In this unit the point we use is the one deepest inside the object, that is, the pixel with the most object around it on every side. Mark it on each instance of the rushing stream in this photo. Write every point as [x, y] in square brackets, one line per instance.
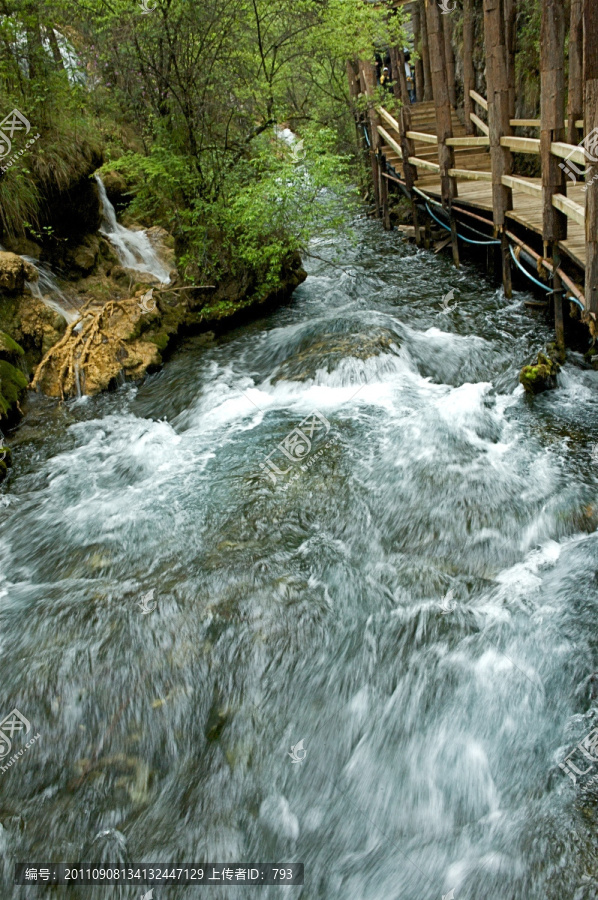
[415, 600]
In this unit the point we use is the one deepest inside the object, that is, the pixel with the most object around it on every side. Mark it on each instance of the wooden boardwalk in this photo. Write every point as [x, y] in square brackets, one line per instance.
[460, 166]
[476, 195]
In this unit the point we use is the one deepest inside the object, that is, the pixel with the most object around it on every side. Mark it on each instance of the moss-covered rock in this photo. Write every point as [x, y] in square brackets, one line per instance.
[540, 377]
[12, 387]
[9, 349]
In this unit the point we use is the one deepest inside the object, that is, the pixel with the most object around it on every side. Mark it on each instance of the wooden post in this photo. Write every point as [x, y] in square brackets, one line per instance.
[397, 61]
[557, 293]
[510, 45]
[499, 126]
[468, 70]
[444, 127]
[354, 90]
[383, 189]
[575, 104]
[449, 56]
[428, 87]
[590, 54]
[417, 44]
[368, 83]
[552, 128]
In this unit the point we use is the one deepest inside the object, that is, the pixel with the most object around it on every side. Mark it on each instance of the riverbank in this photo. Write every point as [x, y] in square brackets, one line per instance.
[118, 310]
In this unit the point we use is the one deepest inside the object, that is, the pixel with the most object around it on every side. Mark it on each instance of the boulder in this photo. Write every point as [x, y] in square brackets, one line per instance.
[14, 272]
[9, 349]
[132, 279]
[85, 256]
[540, 377]
[116, 189]
[23, 246]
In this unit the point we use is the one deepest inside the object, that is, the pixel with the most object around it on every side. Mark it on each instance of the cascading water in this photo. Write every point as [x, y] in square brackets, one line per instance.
[134, 248]
[356, 533]
[47, 290]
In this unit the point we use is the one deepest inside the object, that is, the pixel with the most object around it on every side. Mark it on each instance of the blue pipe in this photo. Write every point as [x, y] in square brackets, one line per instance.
[460, 236]
[525, 272]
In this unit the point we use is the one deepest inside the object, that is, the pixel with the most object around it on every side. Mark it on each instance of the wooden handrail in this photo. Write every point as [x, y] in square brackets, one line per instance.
[535, 123]
[423, 164]
[390, 141]
[470, 174]
[481, 125]
[423, 137]
[469, 141]
[525, 123]
[568, 151]
[527, 187]
[390, 120]
[479, 100]
[520, 144]
[571, 209]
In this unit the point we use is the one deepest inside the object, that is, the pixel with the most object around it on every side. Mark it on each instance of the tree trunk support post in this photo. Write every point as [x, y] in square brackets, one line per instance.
[590, 52]
[425, 49]
[575, 102]
[510, 13]
[401, 92]
[499, 126]
[442, 104]
[354, 91]
[468, 70]
[449, 56]
[368, 82]
[417, 44]
[552, 128]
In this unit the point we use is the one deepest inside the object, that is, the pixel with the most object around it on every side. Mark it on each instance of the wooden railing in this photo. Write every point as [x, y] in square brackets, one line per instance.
[532, 187]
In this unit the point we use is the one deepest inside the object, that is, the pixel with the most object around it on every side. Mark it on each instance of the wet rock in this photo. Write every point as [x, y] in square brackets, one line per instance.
[132, 279]
[84, 257]
[118, 348]
[540, 377]
[9, 349]
[13, 384]
[117, 190]
[14, 272]
[326, 354]
[108, 254]
[163, 244]
[22, 246]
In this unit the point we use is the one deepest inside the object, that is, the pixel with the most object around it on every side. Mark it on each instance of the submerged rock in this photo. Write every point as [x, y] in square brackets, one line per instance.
[327, 353]
[540, 377]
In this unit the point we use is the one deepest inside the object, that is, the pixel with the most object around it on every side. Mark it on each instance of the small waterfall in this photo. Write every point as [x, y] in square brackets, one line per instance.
[46, 289]
[133, 247]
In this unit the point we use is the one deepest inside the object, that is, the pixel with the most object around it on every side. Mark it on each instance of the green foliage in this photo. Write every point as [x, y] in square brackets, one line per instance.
[185, 101]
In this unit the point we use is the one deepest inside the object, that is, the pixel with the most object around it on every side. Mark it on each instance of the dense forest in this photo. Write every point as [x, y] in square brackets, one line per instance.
[182, 100]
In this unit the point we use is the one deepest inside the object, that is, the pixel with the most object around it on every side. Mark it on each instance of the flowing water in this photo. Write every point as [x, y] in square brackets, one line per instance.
[46, 289]
[415, 600]
[134, 248]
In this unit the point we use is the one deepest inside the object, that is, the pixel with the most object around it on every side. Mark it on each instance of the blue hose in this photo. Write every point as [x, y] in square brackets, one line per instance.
[525, 272]
[539, 284]
[570, 297]
[460, 236]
